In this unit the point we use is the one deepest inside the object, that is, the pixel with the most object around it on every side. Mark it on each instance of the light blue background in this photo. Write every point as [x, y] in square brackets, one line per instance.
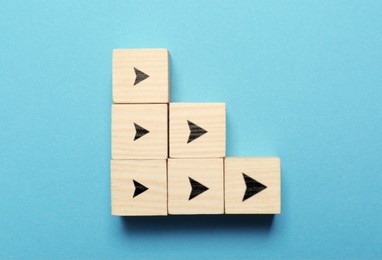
[302, 80]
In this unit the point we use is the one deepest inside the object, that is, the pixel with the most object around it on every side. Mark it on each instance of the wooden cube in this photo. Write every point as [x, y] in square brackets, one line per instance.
[140, 76]
[197, 130]
[252, 185]
[195, 186]
[140, 131]
[138, 187]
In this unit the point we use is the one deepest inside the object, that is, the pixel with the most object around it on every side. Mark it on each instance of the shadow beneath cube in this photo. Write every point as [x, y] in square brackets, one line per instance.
[197, 223]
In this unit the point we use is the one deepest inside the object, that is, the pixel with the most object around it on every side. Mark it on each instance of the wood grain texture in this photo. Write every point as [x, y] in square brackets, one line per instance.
[154, 63]
[265, 170]
[209, 116]
[209, 173]
[153, 118]
[150, 173]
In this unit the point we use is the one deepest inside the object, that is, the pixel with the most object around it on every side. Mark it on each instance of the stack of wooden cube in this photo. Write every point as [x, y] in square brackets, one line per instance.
[169, 158]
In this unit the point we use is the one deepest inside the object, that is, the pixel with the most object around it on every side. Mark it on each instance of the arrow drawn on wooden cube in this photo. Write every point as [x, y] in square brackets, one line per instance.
[140, 131]
[139, 76]
[196, 188]
[195, 131]
[139, 188]
[253, 187]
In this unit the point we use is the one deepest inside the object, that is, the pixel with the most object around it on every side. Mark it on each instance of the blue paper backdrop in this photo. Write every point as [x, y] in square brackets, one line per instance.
[302, 80]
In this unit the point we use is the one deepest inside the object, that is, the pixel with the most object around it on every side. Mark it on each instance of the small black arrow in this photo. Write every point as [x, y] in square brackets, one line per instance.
[195, 131]
[139, 188]
[196, 188]
[139, 131]
[253, 187]
[139, 76]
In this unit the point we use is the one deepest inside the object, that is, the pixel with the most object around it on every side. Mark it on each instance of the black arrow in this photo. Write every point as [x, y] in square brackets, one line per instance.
[139, 188]
[139, 131]
[139, 76]
[196, 188]
[253, 187]
[195, 131]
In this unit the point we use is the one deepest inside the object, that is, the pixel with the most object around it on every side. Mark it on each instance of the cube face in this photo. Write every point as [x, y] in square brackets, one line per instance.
[197, 130]
[195, 186]
[252, 185]
[140, 76]
[138, 187]
[140, 131]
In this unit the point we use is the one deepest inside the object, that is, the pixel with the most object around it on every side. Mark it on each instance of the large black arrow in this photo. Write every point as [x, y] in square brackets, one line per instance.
[139, 131]
[139, 188]
[139, 76]
[253, 187]
[196, 188]
[195, 131]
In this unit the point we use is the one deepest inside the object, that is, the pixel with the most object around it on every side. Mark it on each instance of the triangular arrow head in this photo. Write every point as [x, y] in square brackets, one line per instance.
[139, 76]
[139, 131]
[253, 187]
[195, 131]
[139, 188]
[196, 188]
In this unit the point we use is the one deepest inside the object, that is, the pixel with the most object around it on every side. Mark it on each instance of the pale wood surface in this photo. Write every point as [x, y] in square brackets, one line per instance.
[208, 172]
[153, 117]
[265, 170]
[154, 63]
[209, 116]
[150, 173]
